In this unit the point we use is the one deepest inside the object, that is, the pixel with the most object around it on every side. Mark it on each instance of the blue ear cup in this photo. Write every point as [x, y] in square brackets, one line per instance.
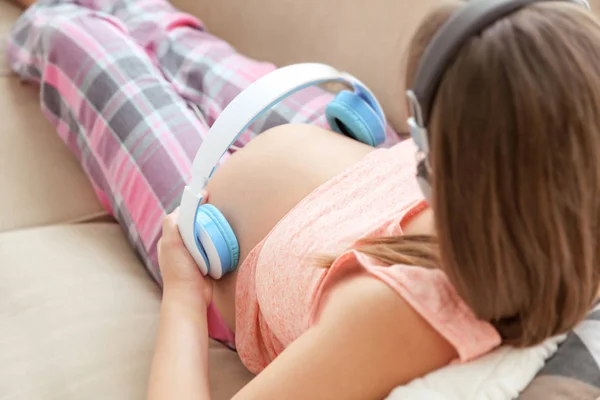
[353, 115]
[210, 219]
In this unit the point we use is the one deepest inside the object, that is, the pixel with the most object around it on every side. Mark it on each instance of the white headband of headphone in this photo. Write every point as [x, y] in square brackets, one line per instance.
[259, 97]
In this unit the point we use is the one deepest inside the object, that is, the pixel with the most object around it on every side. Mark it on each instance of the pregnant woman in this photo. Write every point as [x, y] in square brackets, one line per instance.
[349, 282]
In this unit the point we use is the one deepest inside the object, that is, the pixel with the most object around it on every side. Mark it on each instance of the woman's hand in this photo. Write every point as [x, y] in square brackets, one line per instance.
[180, 363]
[179, 270]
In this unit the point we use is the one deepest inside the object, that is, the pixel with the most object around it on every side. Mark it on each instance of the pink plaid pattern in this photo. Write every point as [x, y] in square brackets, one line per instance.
[118, 78]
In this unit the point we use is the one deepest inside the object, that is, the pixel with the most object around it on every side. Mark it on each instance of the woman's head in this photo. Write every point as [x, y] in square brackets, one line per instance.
[515, 160]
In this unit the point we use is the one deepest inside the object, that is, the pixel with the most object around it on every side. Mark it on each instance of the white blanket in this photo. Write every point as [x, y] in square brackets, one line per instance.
[500, 375]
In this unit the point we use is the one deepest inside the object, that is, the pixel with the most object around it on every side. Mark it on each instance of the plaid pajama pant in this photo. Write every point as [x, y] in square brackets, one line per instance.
[118, 79]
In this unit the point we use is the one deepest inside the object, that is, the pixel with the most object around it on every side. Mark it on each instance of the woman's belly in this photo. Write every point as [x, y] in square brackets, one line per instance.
[261, 183]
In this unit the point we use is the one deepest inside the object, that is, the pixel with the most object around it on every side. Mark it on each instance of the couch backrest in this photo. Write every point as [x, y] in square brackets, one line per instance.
[367, 38]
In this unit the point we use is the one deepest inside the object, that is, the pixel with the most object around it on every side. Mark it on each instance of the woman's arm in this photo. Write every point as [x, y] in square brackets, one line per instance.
[367, 341]
[180, 363]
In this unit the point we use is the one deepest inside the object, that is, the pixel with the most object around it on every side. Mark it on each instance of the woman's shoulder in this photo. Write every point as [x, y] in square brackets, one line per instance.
[373, 319]
[428, 292]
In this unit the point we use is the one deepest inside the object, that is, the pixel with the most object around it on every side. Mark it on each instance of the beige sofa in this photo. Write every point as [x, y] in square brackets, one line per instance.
[78, 313]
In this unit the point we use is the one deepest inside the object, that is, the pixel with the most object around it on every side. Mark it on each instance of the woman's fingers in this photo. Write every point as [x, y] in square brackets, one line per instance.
[204, 195]
[170, 235]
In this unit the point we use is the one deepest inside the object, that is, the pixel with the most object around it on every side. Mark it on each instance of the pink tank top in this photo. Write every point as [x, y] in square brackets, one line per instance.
[279, 287]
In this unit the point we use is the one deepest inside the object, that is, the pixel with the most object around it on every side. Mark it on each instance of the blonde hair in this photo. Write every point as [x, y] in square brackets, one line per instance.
[515, 155]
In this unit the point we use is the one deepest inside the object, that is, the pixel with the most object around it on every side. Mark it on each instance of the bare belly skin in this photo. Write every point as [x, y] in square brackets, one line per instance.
[261, 183]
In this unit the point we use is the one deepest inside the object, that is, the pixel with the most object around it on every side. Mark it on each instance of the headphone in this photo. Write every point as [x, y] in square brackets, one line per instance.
[205, 232]
[469, 20]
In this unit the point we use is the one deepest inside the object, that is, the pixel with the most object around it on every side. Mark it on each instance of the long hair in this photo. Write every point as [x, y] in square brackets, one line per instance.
[515, 156]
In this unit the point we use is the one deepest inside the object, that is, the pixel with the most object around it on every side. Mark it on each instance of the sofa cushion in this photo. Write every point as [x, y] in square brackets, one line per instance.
[41, 182]
[78, 318]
